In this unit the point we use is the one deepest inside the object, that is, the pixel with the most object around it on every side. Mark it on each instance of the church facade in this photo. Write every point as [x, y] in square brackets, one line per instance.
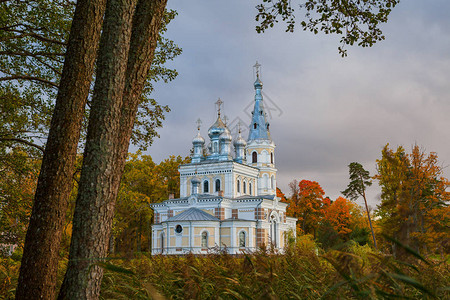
[227, 200]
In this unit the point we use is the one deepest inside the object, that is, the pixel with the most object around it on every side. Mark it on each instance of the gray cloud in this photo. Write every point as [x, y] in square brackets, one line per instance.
[334, 110]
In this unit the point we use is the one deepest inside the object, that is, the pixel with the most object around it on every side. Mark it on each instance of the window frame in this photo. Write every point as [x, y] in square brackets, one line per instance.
[242, 242]
[206, 184]
[204, 239]
[217, 185]
[254, 157]
[161, 237]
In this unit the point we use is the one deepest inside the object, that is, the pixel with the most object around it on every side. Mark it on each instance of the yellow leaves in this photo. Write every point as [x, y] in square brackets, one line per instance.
[412, 188]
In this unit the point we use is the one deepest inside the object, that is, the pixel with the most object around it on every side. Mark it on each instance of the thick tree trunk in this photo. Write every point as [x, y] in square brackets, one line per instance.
[37, 278]
[93, 212]
[106, 158]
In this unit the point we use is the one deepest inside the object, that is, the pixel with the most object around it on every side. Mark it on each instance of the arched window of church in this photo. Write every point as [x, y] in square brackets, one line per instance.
[273, 231]
[255, 125]
[238, 186]
[250, 188]
[254, 157]
[161, 237]
[217, 185]
[265, 181]
[271, 157]
[204, 239]
[242, 239]
[244, 185]
[206, 186]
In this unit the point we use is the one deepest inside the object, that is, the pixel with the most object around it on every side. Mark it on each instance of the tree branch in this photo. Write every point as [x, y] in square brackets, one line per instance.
[48, 66]
[22, 141]
[45, 39]
[32, 34]
[46, 54]
[23, 77]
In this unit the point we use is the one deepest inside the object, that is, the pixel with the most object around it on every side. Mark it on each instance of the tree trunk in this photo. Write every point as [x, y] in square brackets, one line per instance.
[368, 216]
[107, 144]
[90, 236]
[37, 278]
[139, 236]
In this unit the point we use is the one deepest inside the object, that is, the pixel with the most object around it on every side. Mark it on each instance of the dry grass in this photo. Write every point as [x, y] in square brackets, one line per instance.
[303, 272]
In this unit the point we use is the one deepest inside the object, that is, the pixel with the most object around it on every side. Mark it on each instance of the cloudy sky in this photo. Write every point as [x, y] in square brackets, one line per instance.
[325, 111]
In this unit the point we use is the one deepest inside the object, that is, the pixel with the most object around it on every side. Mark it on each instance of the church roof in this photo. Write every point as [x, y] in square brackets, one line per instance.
[243, 197]
[259, 127]
[193, 214]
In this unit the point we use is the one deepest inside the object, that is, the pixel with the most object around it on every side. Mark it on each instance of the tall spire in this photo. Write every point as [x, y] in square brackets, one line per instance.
[259, 127]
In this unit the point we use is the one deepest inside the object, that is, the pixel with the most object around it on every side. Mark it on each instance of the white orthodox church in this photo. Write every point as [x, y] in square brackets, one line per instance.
[227, 203]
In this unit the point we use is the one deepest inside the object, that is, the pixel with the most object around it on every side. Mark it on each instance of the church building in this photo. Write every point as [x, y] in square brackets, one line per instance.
[227, 200]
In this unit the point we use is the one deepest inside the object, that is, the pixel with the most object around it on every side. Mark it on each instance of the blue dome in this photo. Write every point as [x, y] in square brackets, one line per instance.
[226, 136]
[217, 128]
[198, 139]
[240, 142]
[258, 83]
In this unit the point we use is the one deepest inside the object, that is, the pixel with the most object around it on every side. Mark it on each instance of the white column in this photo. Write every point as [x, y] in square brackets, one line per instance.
[217, 236]
[191, 233]
[250, 237]
[232, 238]
[167, 238]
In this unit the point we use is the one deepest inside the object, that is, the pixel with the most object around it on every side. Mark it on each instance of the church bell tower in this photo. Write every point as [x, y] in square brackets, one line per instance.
[260, 147]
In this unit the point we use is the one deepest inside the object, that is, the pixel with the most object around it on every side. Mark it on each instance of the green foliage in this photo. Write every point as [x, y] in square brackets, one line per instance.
[328, 237]
[359, 180]
[33, 37]
[32, 47]
[9, 271]
[143, 182]
[18, 176]
[358, 22]
[361, 235]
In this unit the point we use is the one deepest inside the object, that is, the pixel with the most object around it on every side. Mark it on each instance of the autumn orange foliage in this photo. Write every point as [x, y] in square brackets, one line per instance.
[281, 195]
[338, 215]
[307, 206]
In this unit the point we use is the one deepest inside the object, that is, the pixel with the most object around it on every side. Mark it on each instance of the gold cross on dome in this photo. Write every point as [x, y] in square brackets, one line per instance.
[219, 103]
[257, 66]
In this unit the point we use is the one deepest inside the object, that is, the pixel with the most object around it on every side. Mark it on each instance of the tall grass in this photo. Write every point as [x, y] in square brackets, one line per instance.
[302, 272]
